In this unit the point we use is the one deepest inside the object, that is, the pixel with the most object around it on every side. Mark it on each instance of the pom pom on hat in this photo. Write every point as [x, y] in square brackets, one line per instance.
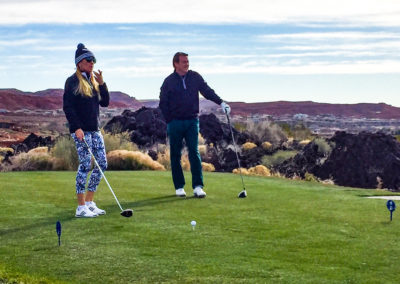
[81, 53]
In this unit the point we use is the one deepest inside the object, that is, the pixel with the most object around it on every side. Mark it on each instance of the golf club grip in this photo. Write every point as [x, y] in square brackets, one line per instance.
[98, 166]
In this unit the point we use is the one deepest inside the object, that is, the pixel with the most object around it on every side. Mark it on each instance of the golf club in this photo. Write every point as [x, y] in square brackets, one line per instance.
[243, 193]
[126, 212]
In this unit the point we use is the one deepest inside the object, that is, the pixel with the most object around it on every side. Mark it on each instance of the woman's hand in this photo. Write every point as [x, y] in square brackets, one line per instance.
[99, 77]
[79, 134]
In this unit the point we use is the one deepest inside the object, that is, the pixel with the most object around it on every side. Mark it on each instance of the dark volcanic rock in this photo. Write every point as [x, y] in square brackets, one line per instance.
[31, 142]
[147, 126]
[217, 132]
[223, 159]
[366, 160]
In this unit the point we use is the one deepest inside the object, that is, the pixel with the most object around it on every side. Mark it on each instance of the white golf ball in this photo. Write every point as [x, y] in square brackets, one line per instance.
[193, 223]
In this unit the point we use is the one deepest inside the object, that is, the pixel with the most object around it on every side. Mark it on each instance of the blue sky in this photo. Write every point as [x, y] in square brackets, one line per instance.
[252, 51]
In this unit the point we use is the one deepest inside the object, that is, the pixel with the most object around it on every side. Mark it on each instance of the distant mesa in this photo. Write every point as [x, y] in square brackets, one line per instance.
[51, 99]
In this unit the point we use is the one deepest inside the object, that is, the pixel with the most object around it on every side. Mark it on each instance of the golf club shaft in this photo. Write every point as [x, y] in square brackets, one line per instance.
[98, 166]
[236, 152]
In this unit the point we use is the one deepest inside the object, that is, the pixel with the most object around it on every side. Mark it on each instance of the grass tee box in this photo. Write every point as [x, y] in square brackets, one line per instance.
[284, 232]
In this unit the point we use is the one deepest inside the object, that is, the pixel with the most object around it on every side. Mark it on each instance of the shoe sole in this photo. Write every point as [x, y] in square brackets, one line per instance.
[199, 196]
[182, 195]
[80, 216]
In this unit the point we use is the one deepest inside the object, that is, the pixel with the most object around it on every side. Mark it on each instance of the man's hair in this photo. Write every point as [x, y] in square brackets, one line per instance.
[176, 57]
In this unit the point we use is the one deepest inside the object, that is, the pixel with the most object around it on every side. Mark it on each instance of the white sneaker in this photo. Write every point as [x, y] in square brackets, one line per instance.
[180, 192]
[84, 213]
[198, 192]
[92, 207]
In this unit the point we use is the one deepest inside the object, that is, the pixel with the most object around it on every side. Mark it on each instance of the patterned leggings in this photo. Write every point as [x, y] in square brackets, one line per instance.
[96, 143]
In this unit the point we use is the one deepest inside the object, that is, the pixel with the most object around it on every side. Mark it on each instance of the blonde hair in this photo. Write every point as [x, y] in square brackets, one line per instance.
[84, 87]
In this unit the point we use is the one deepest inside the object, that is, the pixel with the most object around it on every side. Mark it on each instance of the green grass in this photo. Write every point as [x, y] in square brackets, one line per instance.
[284, 232]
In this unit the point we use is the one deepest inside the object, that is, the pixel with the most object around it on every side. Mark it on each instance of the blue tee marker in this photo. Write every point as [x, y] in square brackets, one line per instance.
[391, 206]
[58, 230]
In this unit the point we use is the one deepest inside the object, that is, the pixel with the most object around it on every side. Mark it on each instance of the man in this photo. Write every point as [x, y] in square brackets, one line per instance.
[179, 103]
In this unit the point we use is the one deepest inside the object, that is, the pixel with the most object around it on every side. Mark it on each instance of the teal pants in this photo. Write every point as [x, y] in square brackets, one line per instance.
[188, 130]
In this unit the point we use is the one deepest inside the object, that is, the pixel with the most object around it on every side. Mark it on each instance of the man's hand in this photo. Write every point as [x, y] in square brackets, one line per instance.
[225, 108]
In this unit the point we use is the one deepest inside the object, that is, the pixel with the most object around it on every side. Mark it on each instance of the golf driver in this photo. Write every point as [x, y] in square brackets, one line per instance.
[243, 193]
[127, 212]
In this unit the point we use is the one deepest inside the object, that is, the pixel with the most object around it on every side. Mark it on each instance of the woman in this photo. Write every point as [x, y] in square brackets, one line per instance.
[83, 93]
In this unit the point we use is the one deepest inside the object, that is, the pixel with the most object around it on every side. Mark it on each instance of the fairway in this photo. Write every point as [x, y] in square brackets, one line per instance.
[285, 231]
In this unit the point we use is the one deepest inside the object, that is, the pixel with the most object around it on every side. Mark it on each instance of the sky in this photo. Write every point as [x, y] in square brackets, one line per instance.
[251, 51]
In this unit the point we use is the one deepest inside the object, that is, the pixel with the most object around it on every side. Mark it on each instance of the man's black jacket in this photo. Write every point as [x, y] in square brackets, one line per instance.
[178, 102]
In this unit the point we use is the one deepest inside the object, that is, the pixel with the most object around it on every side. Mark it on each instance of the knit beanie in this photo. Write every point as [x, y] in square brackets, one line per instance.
[82, 52]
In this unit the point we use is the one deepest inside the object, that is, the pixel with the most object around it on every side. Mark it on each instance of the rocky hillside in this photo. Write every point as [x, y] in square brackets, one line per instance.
[51, 99]
[381, 110]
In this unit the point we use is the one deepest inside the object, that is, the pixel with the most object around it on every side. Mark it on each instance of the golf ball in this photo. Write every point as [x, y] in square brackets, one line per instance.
[193, 223]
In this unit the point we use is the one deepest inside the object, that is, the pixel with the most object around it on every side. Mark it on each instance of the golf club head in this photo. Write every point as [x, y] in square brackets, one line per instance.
[242, 194]
[127, 213]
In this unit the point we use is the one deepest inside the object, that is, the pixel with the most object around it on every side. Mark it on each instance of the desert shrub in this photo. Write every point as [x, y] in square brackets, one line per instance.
[207, 167]
[304, 142]
[39, 150]
[260, 170]
[131, 160]
[266, 145]
[162, 148]
[115, 128]
[163, 158]
[323, 146]
[239, 126]
[241, 170]
[248, 146]
[5, 150]
[185, 162]
[65, 153]
[277, 158]
[33, 161]
[298, 131]
[201, 139]
[118, 141]
[203, 150]
[310, 177]
[265, 131]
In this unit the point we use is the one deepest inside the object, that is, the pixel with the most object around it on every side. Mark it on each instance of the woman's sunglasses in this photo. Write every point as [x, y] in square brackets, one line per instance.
[91, 59]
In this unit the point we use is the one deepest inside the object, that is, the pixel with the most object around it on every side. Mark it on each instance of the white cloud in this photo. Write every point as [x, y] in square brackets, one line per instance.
[383, 45]
[19, 42]
[139, 71]
[318, 68]
[332, 35]
[366, 12]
